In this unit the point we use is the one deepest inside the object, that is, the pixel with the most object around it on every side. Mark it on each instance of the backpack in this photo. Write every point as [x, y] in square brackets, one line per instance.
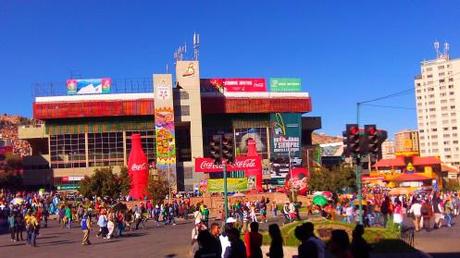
[84, 225]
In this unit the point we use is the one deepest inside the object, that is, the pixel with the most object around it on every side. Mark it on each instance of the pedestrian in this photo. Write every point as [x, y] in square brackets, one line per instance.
[195, 232]
[398, 214]
[385, 210]
[215, 233]
[68, 216]
[311, 246]
[276, 245]
[85, 224]
[253, 241]
[12, 225]
[110, 227]
[438, 211]
[359, 246]
[427, 213]
[208, 248]
[19, 226]
[102, 223]
[237, 248]
[339, 244]
[415, 212]
[224, 238]
[32, 228]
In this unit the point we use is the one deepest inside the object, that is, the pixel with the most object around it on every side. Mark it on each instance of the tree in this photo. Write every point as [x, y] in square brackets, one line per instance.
[452, 185]
[158, 187]
[335, 180]
[102, 183]
[124, 181]
[10, 176]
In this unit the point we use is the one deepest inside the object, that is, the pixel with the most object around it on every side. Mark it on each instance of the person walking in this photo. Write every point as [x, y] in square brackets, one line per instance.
[415, 211]
[253, 241]
[85, 224]
[359, 246]
[32, 228]
[311, 246]
[102, 223]
[237, 248]
[68, 216]
[12, 225]
[339, 244]
[19, 226]
[276, 245]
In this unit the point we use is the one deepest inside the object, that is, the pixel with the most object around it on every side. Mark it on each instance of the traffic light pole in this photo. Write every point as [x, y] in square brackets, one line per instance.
[225, 189]
[358, 174]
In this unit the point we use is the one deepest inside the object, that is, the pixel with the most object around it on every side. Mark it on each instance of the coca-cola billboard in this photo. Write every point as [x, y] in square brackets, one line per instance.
[207, 165]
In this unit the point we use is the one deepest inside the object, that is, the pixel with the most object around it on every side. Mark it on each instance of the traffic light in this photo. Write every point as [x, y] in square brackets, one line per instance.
[374, 139]
[228, 152]
[215, 148]
[351, 140]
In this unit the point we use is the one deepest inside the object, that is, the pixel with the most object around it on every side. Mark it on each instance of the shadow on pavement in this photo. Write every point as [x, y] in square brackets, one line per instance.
[170, 255]
[54, 243]
[392, 246]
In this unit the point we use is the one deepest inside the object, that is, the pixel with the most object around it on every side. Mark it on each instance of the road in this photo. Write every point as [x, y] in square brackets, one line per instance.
[440, 243]
[164, 241]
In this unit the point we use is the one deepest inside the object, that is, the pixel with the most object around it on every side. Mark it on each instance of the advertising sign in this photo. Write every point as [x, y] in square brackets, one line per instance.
[88, 86]
[233, 85]
[286, 131]
[233, 185]
[285, 84]
[164, 125]
[207, 165]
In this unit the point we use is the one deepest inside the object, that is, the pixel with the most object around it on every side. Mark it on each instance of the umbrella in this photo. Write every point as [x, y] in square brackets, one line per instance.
[319, 200]
[17, 201]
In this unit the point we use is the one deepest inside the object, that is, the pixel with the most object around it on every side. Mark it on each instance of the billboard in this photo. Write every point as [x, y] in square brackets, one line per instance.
[88, 86]
[233, 85]
[233, 185]
[164, 126]
[207, 165]
[285, 84]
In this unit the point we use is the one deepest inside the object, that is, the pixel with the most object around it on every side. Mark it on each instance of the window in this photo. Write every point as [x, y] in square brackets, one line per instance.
[434, 137]
[428, 69]
[432, 109]
[448, 156]
[429, 76]
[440, 67]
[446, 135]
[443, 94]
[451, 86]
[183, 142]
[447, 149]
[454, 128]
[444, 101]
[451, 79]
[455, 142]
[105, 149]
[452, 107]
[68, 151]
[444, 108]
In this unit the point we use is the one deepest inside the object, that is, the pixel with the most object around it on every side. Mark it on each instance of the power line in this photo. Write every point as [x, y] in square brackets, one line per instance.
[387, 106]
[397, 94]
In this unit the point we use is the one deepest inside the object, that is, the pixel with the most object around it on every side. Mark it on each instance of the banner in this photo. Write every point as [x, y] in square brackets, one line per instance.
[233, 85]
[88, 86]
[233, 185]
[285, 84]
[207, 165]
[286, 132]
[164, 126]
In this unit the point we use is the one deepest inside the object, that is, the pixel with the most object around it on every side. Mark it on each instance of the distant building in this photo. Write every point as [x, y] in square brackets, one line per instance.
[406, 143]
[388, 149]
[437, 91]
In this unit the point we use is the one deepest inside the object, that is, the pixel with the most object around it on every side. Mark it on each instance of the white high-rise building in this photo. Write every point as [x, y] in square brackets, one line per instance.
[437, 91]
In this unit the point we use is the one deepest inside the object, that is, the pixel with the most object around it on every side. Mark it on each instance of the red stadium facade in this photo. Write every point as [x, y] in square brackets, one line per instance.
[83, 132]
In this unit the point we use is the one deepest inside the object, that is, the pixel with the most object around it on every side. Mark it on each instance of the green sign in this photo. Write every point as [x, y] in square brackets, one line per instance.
[67, 187]
[285, 84]
[233, 185]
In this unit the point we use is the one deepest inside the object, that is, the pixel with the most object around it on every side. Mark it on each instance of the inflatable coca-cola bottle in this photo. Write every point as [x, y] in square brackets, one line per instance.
[138, 169]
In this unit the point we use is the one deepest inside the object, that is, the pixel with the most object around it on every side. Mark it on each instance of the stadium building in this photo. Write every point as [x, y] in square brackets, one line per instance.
[89, 123]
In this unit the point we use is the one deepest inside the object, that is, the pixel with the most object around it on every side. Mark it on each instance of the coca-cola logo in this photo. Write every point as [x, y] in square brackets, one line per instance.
[138, 167]
[208, 165]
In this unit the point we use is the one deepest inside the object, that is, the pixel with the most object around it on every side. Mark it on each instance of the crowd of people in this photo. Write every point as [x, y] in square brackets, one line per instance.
[213, 243]
[9, 132]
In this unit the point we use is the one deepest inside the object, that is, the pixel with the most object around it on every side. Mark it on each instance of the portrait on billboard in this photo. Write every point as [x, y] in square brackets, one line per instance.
[259, 135]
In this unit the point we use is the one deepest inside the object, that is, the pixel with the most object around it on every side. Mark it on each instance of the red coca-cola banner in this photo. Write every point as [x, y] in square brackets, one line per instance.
[207, 165]
[234, 84]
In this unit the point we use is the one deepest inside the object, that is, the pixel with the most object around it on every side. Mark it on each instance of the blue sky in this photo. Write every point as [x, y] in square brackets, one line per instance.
[344, 51]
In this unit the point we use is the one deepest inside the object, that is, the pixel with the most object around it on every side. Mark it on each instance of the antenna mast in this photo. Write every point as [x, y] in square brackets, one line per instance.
[446, 50]
[436, 48]
[196, 45]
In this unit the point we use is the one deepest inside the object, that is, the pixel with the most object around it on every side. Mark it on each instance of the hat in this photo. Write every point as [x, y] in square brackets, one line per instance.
[230, 220]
